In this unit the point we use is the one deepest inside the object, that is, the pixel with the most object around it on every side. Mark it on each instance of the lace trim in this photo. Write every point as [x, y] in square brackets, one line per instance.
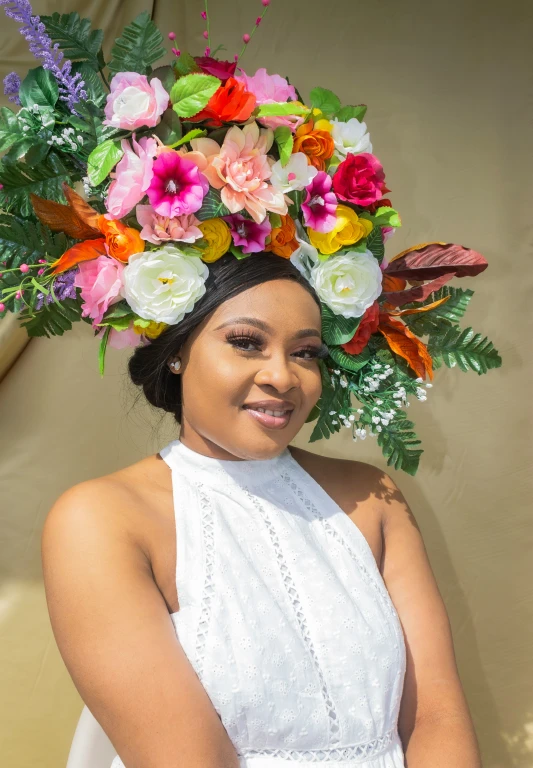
[208, 528]
[293, 594]
[366, 749]
[336, 535]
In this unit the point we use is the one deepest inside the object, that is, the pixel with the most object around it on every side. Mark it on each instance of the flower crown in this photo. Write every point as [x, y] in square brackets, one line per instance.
[121, 183]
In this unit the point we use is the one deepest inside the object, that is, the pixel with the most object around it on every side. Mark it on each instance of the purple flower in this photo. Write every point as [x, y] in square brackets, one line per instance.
[248, 233]
[177, 186]
[11, 87]
[70, 86]
[320, 204]
[63, 286]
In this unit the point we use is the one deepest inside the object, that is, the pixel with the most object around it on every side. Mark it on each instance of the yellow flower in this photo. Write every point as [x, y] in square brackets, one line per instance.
[149, 328]
[218, 236]
[348, 230]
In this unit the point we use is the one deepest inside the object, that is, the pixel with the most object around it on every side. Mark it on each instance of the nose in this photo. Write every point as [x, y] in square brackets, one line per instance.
[279, 373]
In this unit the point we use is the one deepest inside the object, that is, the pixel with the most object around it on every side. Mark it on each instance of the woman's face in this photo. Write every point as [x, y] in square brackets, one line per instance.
[230, 363]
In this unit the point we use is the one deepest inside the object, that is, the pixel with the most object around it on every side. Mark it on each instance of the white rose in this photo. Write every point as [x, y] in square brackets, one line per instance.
[300, 172]
[306, 254]
[350, 137]
[163, 285]
[348, 283]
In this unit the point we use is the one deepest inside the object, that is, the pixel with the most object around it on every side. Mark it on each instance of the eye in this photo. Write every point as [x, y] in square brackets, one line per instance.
[241, 340]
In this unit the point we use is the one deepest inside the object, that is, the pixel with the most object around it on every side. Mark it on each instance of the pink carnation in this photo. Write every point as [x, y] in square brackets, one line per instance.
[100, 281]
[158, 229]
[132, 177]
[268, 89]
[133, 102]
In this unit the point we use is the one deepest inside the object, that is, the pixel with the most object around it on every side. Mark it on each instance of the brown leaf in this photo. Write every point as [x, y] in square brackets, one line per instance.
[420, 293]
[407, 345]
[430, 260]
[86, 251]
[390, 283]
[85, 212]
[62, 218]
[416, 310]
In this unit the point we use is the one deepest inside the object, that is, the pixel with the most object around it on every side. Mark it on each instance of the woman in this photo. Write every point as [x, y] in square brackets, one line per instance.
[305, 621]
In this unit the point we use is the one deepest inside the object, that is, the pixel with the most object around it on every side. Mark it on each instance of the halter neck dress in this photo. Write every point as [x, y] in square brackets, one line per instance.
[284, 615]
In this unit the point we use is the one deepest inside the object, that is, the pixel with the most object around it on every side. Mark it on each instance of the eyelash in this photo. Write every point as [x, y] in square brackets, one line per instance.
[318, 352]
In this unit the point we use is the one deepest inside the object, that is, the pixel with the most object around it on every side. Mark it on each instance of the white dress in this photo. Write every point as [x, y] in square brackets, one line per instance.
[284, 615]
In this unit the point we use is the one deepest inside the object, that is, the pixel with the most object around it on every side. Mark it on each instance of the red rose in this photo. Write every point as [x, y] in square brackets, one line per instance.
[368, 325]
[220, 69]
[360, 179]
[231, 102]
[384, 201]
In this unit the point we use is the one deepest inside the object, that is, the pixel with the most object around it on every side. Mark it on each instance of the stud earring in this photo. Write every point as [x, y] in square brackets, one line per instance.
[176, 364]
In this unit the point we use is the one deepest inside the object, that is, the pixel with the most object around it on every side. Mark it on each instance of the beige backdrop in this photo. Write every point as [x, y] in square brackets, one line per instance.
[449, 90]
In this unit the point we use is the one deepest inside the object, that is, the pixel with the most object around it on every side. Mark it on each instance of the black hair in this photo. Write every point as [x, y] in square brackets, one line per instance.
[228, 276]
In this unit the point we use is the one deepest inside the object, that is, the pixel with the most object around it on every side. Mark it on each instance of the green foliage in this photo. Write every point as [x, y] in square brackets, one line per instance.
[75, 37]
[346, 113]
[468, 350]
[325, 100]
[138, 48]
[165, 75]
[102, 160]
[397, 442]
[89, 123]
[385, 216]
[212, 206]
[169, 129]
[10, 129]
[185, 64]
[19, 180]
[432, 321]
[53, 319]
[191, 93]
[94, 86]
[39, 87]
[337, 329]
[281, 108]
[332, 399]
[195, 133]
[375, 244]
[285, 141]
[351, 363]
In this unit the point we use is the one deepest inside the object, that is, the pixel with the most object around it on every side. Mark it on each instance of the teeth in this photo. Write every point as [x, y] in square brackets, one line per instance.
[271, 413]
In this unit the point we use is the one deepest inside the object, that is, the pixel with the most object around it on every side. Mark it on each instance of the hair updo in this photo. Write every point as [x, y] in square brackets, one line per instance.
[228, 276]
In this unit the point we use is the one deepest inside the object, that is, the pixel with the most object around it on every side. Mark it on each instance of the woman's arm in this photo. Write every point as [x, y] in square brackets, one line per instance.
[117, 639]
[434, 725]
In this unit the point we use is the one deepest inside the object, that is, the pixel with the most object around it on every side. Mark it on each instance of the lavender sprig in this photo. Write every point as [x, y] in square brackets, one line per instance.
[70, 86]
[12, 86]
[64, 288]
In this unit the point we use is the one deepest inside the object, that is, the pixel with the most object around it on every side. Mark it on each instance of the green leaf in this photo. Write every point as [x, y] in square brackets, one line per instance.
[385, 216]
[20, 180]
[282, 108]
[337, 329]
[165, 75]
[194, 134]
[314, 413]
[75, 37]
[169, 130]
[102, 160]
[185, 64]
[346, 113]
[94, 86]
[464, 348]
[102, 350]
[119, 316]
[138, 48]
[10, 129]
[191, 93]
[53, 319]
[89, 122]
[349, 362]
[237, 252]
[437, 320]
[39, 87]
[285, 141]
[325, 100]
[397, 442]
[332, 399]
[212, 206]
[375, 244]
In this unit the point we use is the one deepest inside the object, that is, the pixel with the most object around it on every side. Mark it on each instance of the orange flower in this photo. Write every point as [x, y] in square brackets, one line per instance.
[282, 239]
[317, 145]
[231, 102]
[122, 241]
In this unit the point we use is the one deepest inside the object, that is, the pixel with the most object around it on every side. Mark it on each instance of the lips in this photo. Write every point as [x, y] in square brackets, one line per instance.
[271, 422]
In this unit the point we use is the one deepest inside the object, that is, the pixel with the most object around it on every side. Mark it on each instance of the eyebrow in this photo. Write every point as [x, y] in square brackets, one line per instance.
[266, 327]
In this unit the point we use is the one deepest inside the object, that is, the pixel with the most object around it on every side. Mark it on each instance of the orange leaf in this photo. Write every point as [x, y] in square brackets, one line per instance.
[407, 345]
[390, 283]
[85, 212]
[417, 310]
[90, 249]
[62, 218]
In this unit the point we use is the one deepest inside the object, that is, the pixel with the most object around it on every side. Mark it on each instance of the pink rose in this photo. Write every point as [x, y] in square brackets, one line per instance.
[132, 177]
[134, 102]
[100, 281]
[157, 229]
[268, 89]
[360, 179]
[122, 339]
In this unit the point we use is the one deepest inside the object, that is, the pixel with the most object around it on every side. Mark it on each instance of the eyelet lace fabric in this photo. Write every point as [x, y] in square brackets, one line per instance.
[284, 615]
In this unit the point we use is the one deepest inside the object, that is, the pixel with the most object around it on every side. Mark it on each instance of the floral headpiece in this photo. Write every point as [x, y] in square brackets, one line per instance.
[121, 183]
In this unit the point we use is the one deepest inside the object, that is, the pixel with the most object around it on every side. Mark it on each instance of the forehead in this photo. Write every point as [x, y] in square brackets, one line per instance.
[283, 304]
